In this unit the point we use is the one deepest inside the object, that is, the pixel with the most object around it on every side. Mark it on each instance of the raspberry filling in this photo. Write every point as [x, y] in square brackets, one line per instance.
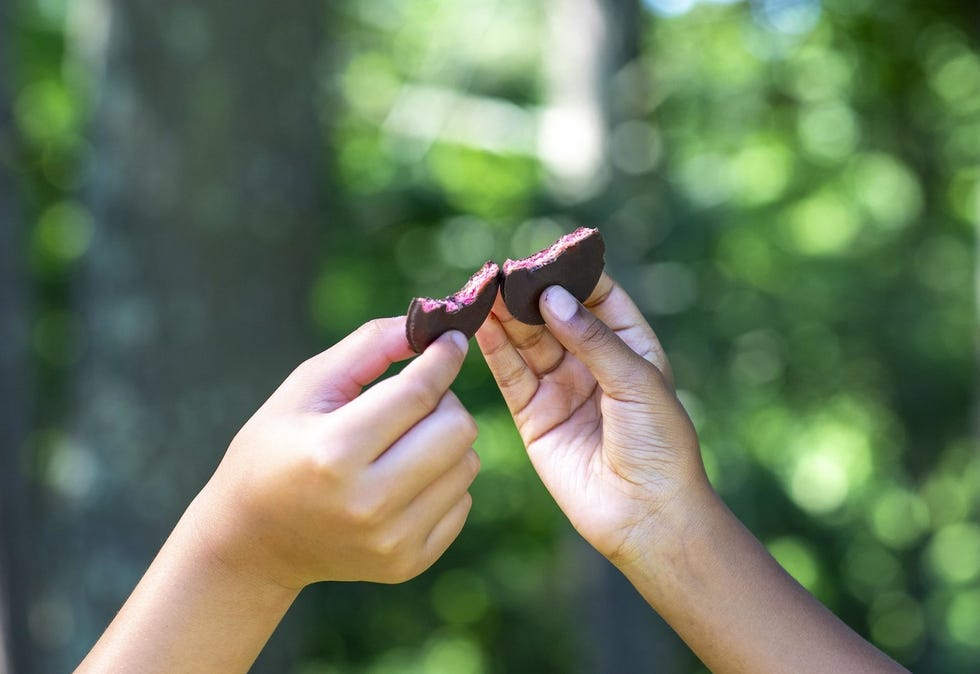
[550, 254]
[467, 294]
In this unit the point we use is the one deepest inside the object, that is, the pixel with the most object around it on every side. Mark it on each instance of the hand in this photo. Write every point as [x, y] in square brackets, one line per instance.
[327, 483]
[592, 395]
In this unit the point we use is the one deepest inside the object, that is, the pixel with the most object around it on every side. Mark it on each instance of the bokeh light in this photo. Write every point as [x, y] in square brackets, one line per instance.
[954, 553]
[789, 190]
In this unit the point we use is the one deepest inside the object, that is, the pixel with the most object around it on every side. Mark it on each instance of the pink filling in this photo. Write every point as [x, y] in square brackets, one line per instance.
[467, 294]
[550, 254]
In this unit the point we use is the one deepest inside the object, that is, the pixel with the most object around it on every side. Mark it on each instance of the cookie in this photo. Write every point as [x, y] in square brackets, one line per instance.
[464, 311]
[575, 262]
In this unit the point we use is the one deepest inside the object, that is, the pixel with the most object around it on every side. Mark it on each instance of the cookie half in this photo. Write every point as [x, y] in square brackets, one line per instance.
[575, 262]
[464, 310]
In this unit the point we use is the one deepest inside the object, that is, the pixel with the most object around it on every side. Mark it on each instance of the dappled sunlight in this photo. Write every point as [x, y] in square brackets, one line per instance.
[870, 569]
[954, 553]
[822, 224]
[898, 623]
[898, 517]
[962, 620]
[829, 131]
[789, 190]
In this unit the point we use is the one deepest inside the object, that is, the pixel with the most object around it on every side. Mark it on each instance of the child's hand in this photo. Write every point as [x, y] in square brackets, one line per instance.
[592, 396]
[327, 483]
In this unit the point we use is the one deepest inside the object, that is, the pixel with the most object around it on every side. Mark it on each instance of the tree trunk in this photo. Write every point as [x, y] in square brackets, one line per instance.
[204, 187]
[14, 413]
[14, 390]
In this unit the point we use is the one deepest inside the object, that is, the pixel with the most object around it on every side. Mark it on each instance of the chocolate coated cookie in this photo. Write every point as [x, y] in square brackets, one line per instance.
[575, 262]
[464, 311]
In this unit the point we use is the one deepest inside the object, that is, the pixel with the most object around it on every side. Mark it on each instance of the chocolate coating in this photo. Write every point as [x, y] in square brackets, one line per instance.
[464, 311]
[576, 268]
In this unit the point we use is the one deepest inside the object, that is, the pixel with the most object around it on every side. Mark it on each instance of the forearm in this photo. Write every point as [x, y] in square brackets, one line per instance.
[737, 608]
[191, 612]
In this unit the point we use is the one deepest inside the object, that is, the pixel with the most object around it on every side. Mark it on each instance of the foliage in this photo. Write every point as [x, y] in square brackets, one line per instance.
[792, 195]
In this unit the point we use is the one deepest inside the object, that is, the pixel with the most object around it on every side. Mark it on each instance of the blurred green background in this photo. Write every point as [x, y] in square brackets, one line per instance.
[195, 196]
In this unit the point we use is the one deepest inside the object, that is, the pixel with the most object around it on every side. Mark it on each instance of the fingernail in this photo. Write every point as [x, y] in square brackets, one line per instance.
[560, 302]
[459, 339]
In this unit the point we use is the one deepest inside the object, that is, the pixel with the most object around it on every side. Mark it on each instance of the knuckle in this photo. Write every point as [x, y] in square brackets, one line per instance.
[326, 465]
[423, 393]
[464, 425]
[409, 567]
[473, 462]
[511, 377]
[472, 431]
[370, 330]
[366, 512]
[461, 511]
[531, 340]
[647, 376]
[399, 573]
[595, 334]
[643, 384]
[328, 454]
[388, 545]
[307, 367]
[656, 376]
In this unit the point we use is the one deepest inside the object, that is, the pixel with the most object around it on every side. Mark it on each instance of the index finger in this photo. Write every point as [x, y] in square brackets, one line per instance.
[333, 377]
[535, 343]
[613, 306]
[378, 417]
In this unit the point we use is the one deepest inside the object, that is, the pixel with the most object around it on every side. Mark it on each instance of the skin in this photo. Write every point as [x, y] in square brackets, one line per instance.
[324, 482]
[328, 483]
[592, 395]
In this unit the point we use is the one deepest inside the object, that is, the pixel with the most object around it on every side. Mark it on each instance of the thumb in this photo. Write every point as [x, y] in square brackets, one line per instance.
[620, 371]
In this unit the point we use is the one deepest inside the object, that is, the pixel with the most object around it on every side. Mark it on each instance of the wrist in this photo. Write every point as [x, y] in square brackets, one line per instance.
[658, 551]
[217, 544]
[711, 580]
[192, 611]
